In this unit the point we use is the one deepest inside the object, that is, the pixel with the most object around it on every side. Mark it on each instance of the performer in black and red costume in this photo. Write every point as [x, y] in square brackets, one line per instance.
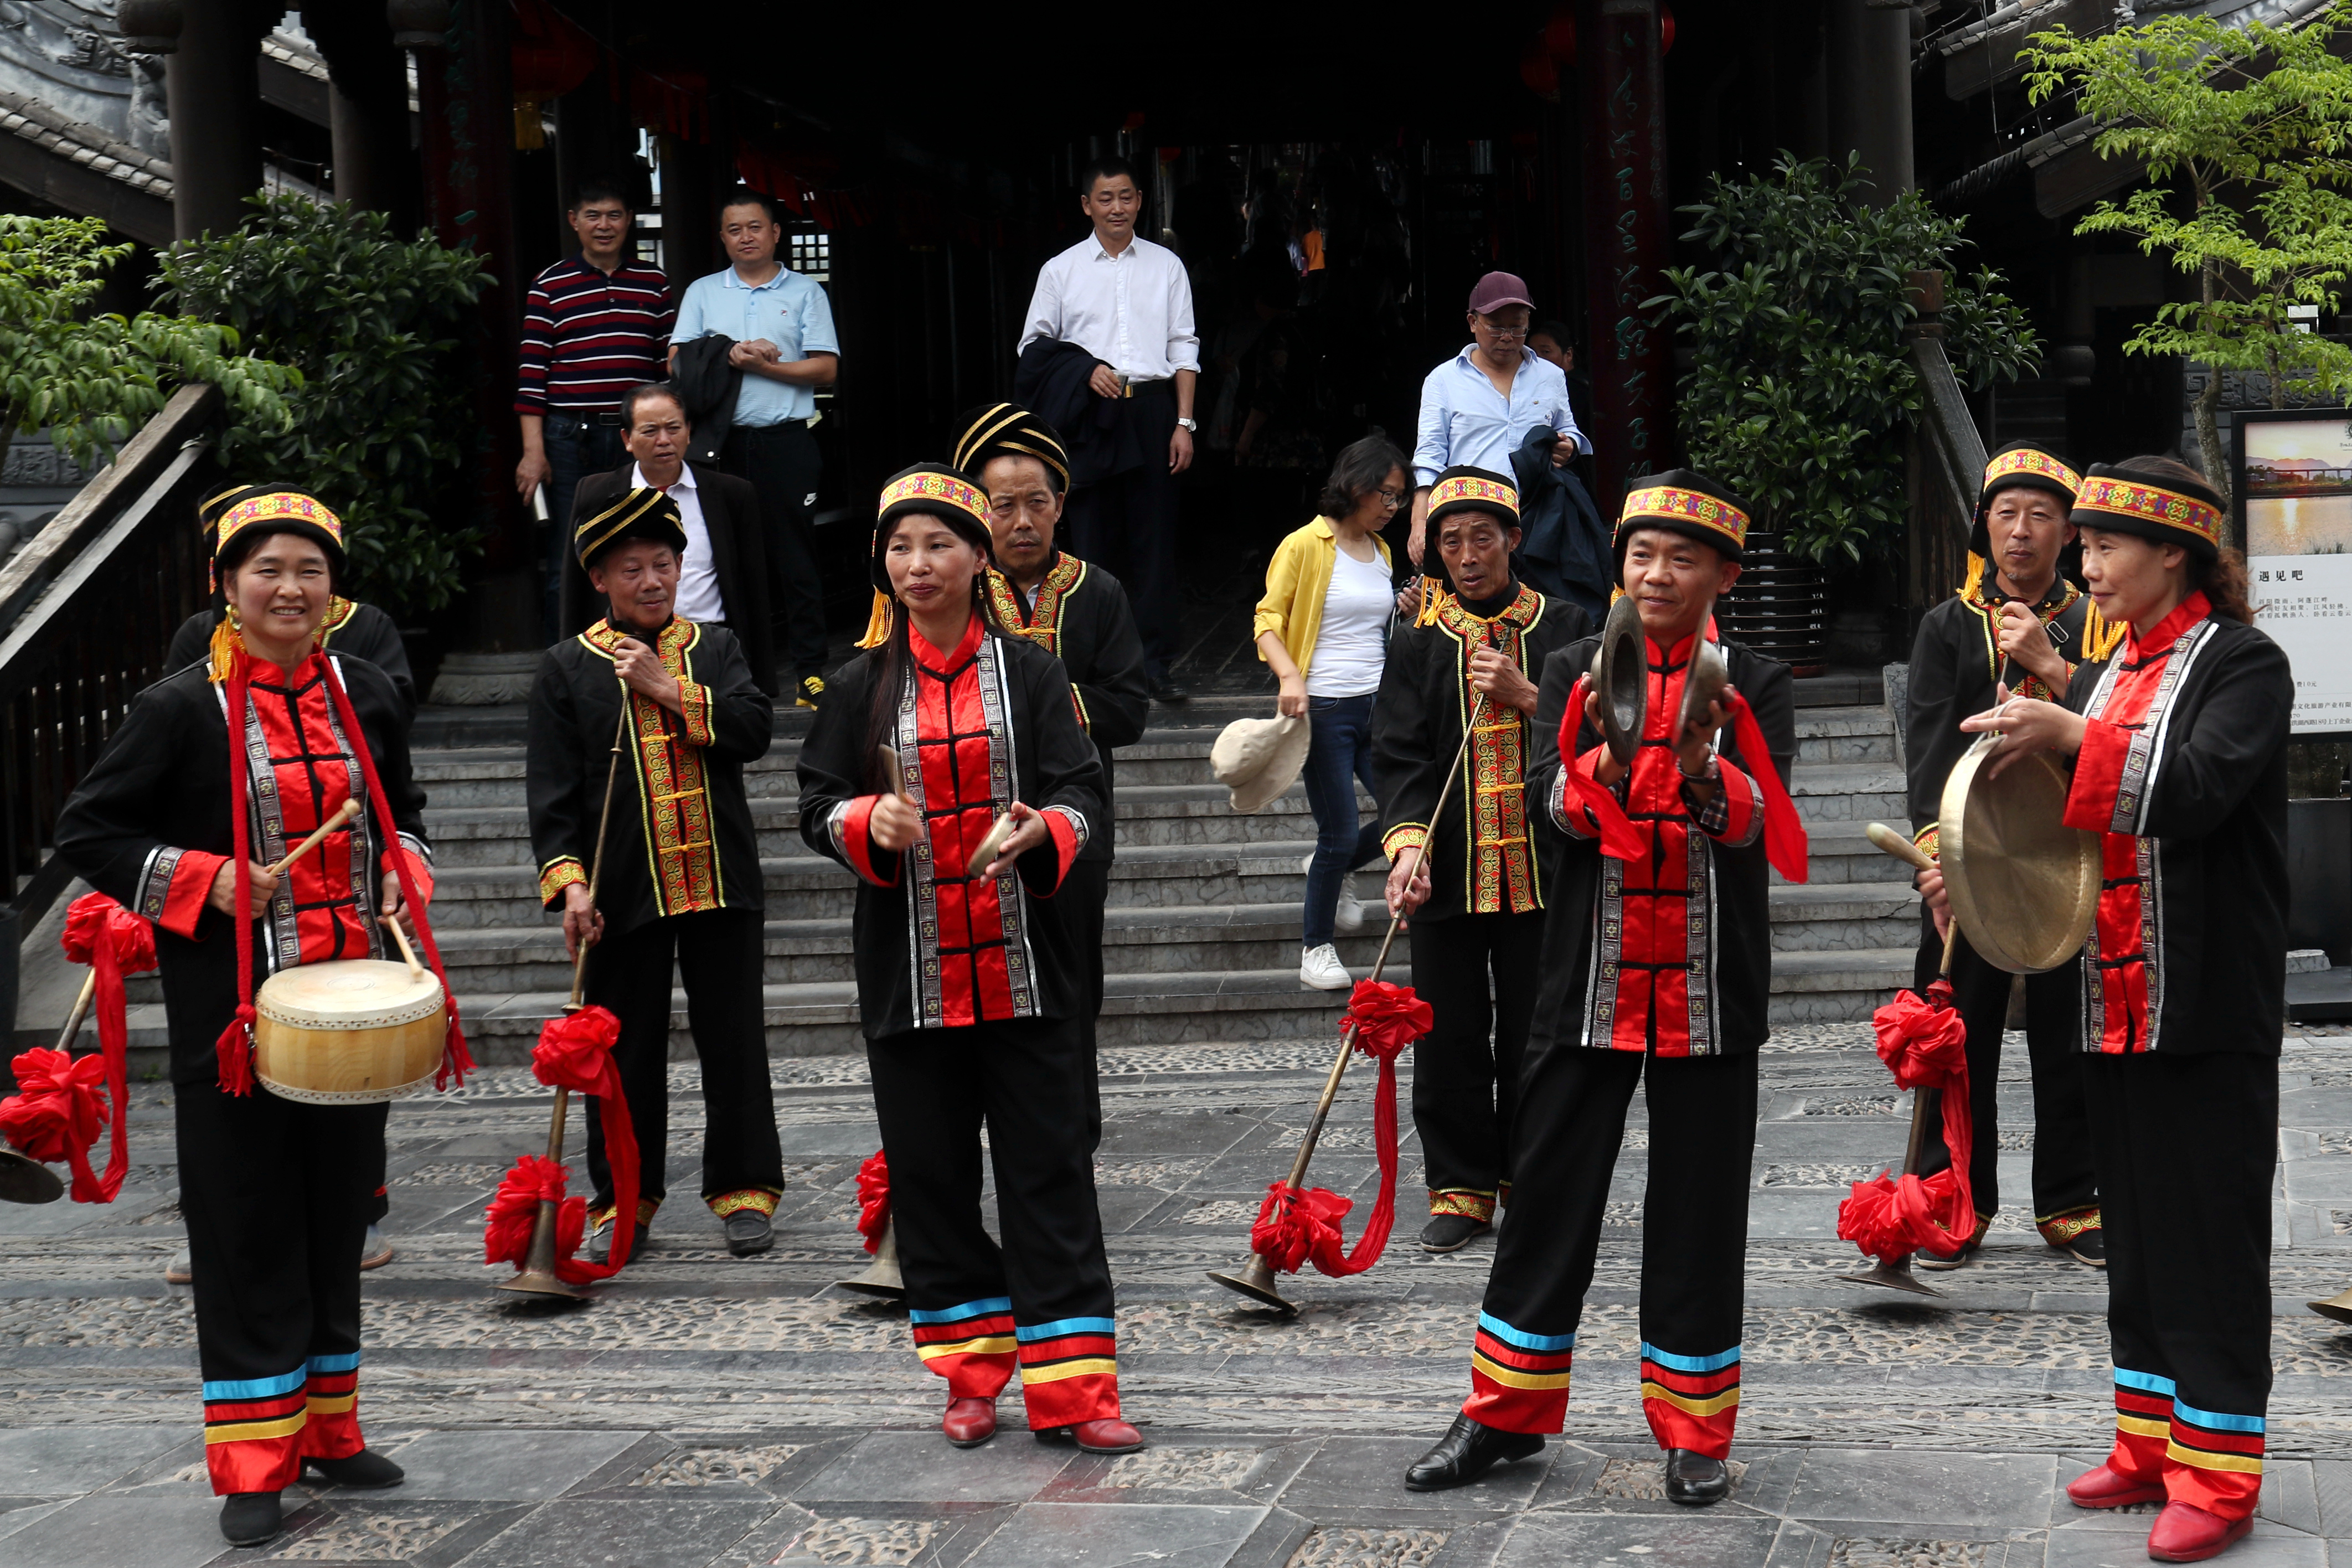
[967, 992]
[2179, 745]
[681, 877]
[1471, 658]
[1078, 612]
[2015, 618]
[177, 825]
[1656, 964]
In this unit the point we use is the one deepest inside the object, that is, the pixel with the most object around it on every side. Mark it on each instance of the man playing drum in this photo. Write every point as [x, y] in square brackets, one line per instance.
[175, 821]
[2014, 619]
[1656, 961]
[681, 882]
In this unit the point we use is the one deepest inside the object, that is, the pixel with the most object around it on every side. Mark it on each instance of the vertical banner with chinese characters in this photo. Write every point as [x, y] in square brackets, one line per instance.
[1621, 81]
[2294, 496]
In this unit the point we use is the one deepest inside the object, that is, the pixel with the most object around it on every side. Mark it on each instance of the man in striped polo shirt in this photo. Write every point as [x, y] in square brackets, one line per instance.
[595, 324]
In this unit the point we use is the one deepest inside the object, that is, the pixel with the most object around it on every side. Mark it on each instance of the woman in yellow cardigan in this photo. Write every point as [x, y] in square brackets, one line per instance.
[1323, 628]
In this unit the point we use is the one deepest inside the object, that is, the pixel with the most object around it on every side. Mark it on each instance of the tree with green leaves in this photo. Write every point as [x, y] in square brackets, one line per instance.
[383, 424]
[94, 378]
[1800, 387]
[2246, 134]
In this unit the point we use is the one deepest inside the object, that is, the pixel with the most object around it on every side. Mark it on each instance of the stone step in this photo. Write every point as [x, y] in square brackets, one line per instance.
[1846, 735]
[1136, 940]
[1823, 917]
[1840, 853]
[1837, 987]
[1849, 791]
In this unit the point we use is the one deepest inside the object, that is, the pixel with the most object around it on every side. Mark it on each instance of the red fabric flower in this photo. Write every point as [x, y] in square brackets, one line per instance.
[1924, 1042]
[874, 1198]
[1387, 1018]
[114, 942]
[95, 921]
[1921, 1043]
[1295, 1227]
[514, 1214]
[575, 1052]
[56, 1115]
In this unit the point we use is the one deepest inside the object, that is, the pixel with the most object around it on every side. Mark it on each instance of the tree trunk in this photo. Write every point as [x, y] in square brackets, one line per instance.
[2209, 444]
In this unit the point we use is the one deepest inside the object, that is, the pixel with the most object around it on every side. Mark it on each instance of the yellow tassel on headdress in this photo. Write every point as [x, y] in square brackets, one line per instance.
[878, 624]
[226, 645]
[1432, 597]
[1976, 576]
[2101, 636]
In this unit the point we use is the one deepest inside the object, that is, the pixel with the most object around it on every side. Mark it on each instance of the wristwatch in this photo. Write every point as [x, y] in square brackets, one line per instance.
[1188, 421]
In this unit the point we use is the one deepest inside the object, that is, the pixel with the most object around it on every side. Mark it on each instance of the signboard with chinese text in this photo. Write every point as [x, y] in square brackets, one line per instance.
[2294, 496]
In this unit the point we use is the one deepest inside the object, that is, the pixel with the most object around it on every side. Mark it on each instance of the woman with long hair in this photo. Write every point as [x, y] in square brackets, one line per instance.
[1322, 628]
[948, 731]
[2178, 750]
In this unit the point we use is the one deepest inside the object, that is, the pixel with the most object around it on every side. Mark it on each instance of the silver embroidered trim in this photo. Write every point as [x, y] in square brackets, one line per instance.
[154, 887]
[1076, 818]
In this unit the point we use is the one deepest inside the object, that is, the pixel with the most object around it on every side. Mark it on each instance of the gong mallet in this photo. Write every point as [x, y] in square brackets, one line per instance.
[1256, 1277]
[1897, 1276]
[538, 1277]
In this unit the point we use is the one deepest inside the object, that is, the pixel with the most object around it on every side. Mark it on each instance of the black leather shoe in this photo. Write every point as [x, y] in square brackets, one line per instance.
[365, 1469]
[248, 1519]
[1166, 689]
[1451, 1232]
[749, 1231]
[1467, 1451]
[1695, 1481]
[2089, 1246]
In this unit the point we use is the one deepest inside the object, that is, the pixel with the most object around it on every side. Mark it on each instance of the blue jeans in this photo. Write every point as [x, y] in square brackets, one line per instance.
[1338, 753]
[575, 450]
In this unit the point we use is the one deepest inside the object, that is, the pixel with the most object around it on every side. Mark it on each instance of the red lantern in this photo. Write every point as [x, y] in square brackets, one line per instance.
[1559, 36]
[1540, 73]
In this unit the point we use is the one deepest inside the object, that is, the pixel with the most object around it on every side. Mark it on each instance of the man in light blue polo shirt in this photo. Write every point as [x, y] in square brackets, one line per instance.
[782, 325]
[1477, 407]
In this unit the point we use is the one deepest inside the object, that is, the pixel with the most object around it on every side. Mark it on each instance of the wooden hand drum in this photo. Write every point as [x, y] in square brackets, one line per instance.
[350, 1032]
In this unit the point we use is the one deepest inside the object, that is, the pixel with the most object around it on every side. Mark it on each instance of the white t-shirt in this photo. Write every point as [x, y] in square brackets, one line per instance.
[699, 598]
[1349, 649]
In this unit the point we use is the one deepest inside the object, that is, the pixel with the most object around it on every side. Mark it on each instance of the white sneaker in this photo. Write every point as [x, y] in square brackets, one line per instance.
[1348, 914]
[1319, 969]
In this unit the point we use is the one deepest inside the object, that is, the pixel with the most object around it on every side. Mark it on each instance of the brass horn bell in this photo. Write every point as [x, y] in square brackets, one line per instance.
[1621, 675]
[881, 1277]
[25, 1180]
[2337, 1307]
[1257, 1281]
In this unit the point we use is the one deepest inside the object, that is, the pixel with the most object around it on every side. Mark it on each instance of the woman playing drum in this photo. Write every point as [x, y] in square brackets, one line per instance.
[276, 1194]
[2178, 748]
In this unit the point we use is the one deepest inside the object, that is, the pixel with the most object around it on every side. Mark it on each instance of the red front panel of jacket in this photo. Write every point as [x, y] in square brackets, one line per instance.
[313, 780]
[958, 807]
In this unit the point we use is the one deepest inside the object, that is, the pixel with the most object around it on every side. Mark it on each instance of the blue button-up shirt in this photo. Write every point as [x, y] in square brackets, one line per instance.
[789, 310]
[1465, 422]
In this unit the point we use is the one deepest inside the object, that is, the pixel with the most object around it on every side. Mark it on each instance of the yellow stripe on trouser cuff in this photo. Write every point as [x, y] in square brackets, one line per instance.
[2204, 1460]
[246, 1431]
[1511, 1377]
[2145, 1426]
[1104, 1365]
[332, 1404]
[1709, 1407]
[993, 1344]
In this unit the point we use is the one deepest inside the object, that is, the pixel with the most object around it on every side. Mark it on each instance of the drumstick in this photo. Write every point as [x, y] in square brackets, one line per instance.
[343, 814]
[415, 970]
[1902, 848]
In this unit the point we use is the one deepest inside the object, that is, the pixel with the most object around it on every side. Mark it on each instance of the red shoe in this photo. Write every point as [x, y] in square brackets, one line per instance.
[2187, 1533]
[2102, 1487]
[970, 1422]
[1107, 1436]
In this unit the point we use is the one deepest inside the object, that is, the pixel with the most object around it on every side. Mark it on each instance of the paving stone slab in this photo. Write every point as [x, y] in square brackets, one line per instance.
[923, 1468]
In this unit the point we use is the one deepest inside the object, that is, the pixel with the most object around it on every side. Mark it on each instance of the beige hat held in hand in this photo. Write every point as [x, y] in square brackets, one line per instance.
[1257, 759]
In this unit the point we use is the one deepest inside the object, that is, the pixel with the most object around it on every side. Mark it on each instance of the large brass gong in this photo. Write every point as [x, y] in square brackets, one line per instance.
[2023, 885]
[1621, 674]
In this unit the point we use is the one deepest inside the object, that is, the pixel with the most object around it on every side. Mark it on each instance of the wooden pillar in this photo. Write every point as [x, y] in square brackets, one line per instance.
[1870, 111]
[468, 145]
[214, 101]
[1620, 89]
[375, 161]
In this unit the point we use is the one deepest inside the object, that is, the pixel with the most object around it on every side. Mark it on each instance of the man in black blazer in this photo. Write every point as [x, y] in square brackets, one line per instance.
[724, 576]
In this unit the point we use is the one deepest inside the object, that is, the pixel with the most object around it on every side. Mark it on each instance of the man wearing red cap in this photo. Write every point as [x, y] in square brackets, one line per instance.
[1477, 407]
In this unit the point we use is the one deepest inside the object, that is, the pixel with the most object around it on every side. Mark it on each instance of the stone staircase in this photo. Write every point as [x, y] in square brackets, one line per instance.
[1203, 927]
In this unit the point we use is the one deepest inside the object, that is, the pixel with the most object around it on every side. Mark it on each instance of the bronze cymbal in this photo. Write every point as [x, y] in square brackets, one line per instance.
[1621, 675]
[1708, 679]
[2024, 886]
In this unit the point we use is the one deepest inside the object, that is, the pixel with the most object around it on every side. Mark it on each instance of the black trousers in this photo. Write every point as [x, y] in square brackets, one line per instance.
[276, 1195]
[2186, 1147]
[1572, 1120]
[1126, 524]
[2064, 1179]
[783, 465]
[719, 953]
[1465, 1070]
[1080, 901]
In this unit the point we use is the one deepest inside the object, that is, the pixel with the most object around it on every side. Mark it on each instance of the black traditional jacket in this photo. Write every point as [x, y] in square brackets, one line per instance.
[2182, 773]
[353, 629]
[681, 839]
[148, 826]
[1954, 661]
[1700, 906]
[1482, 856]
[978, 727]
[1081, 616]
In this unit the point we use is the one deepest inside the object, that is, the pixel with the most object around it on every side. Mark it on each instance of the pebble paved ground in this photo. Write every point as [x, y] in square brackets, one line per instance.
[711, 1411]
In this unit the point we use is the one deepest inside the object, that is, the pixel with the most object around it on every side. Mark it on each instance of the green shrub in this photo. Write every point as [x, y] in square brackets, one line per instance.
[1802, 388]
[384, 426]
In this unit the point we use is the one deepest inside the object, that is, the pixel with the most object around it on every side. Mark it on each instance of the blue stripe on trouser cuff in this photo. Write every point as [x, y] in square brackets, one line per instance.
[257, 1387]
[2213, 1421]
[1690, 1363]
[1030, 1333]
[1525, 1341]
[968, 1310]
[2147, 1383]
[319, 1363]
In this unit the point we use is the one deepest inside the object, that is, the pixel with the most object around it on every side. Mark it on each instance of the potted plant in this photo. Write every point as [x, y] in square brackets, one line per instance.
[1799, 389]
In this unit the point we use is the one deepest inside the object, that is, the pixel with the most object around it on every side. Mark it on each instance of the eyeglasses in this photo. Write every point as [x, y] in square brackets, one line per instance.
[1391, 498]
[1504, 331]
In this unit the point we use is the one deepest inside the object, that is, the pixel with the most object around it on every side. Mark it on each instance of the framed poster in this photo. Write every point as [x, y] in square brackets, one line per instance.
[2295, 498]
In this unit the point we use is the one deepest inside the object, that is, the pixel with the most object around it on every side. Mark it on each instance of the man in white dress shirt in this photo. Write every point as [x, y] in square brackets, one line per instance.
[1127, 304]
[1479, 406]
